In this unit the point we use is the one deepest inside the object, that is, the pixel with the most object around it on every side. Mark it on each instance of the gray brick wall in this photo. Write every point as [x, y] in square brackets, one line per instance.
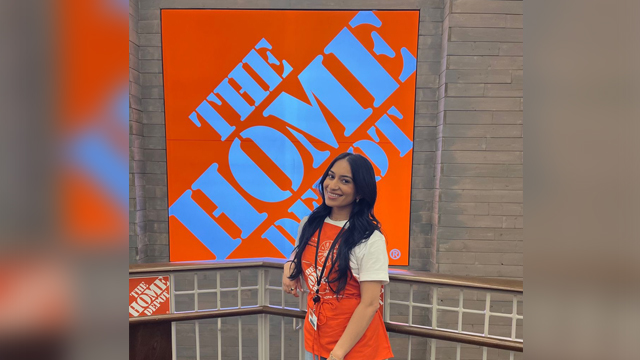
[478, 212]
[425, 146]
[148, 217]
[136, 156]
[479, 158]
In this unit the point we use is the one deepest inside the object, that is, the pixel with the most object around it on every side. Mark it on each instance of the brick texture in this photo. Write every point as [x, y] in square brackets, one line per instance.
[479, 158]
[478, 213]
[148, 220]
[135, 133]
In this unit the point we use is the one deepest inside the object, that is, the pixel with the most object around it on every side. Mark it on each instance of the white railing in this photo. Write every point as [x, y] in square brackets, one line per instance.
[437, 300]
[218, 306]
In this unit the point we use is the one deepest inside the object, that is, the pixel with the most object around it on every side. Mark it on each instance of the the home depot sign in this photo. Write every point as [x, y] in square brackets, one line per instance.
[149, 296]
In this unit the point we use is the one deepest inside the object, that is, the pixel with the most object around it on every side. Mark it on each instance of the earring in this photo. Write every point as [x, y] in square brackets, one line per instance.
[358, 199]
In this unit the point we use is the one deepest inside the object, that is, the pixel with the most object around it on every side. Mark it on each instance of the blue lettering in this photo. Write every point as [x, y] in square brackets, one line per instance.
[214, 119]
[365, 17]
[373, 134]
[362, 65]
[299, 209]
[318, 82]
[231, 96]
[202, 226]
[248, 84]
[263, 69]
[380, 47]
[309, 194]
[375, 153]
[408, 64]
[280, 150]
[251, 178]
[318, 156]
[278, 240]
[394, 134]
[291, 226]
[229, 201]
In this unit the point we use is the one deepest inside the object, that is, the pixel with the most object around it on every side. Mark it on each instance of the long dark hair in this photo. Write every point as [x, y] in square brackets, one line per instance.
[362, 221]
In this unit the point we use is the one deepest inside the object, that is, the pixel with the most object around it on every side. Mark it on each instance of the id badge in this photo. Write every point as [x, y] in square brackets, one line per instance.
[313, 319]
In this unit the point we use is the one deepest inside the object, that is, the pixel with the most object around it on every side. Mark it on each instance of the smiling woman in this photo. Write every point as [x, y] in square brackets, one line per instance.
[339, 191]
[341, 255]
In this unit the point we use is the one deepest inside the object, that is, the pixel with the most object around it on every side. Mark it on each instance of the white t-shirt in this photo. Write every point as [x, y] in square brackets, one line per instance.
[368, 260]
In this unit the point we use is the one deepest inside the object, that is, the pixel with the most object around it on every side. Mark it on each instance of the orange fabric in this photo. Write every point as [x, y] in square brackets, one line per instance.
[333, 313]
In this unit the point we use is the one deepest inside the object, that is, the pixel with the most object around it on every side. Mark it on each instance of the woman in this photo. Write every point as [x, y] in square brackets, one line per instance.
[346, 271]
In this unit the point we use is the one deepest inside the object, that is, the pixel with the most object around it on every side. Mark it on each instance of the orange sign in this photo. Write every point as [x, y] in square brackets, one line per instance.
[258, 103]
[149, 296]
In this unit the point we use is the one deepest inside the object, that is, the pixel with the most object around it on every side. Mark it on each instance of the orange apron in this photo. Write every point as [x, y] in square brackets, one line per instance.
[333, 314]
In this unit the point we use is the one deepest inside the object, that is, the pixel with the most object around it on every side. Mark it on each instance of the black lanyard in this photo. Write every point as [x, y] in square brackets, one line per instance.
[316, 297]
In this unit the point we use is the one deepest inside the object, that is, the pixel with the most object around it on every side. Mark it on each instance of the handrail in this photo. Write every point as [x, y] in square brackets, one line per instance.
[438, 334]
[214, 314]
[198, 315]
[394, 274]
[504, 344]
[456, 280]
[144, 269]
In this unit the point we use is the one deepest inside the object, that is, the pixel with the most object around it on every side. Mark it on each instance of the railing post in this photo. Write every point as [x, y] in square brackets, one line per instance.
[266, 317]
[172, 306]
[514, 317]
[387, 297]
[196, 308]
[219, 305]
[239, 318]
[300, 328]
[434, 320]
[261, 290]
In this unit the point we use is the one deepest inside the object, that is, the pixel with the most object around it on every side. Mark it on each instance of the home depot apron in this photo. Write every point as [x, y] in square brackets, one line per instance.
[333, 314]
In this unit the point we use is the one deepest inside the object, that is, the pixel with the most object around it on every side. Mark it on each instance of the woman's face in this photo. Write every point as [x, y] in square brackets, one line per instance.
[339, 190]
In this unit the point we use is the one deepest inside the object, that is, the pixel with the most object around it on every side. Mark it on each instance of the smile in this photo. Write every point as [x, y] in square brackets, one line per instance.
[332, 195]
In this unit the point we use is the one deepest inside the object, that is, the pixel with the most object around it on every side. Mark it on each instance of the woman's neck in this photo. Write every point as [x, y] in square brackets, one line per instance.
[339, 214]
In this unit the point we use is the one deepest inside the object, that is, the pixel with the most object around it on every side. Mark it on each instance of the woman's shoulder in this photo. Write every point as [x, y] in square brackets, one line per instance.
[300, 227]
[370, 259]
[376, 240]
[377, 236]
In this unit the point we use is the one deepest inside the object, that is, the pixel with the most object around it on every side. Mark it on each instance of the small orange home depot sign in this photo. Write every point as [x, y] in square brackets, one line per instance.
[149, 296]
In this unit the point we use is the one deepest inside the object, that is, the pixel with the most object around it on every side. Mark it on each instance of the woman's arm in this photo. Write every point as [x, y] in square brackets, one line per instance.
[296, 284]
[287, 284]
[361, 318]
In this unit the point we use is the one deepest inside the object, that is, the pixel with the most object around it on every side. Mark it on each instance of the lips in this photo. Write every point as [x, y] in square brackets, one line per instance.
[332, 195]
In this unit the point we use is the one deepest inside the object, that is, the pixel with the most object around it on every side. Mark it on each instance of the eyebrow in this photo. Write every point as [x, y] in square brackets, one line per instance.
[342, 176]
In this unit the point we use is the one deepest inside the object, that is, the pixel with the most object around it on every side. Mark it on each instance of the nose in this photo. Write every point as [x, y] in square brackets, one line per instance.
[333, 184]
